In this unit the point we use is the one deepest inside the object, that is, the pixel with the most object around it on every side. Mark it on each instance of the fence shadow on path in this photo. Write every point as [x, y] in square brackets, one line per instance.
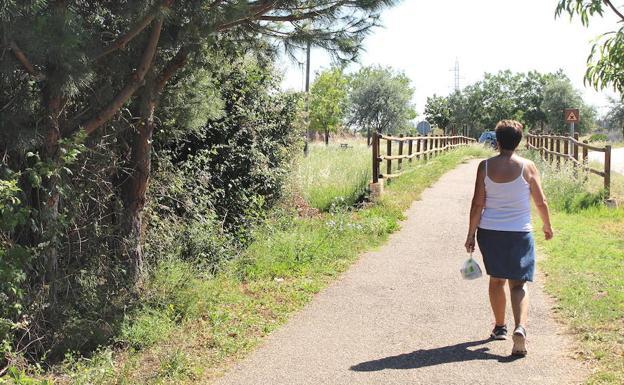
[431, 357]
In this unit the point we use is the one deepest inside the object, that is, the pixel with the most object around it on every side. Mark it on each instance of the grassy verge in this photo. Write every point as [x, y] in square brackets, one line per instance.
[192, 325]
[585, 269]
[333, 176]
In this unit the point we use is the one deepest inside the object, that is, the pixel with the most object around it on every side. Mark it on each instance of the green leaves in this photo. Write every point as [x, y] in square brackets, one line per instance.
[381, 99]
[559, 93]
[328, 101]
[605, 63]
[437, 111]
[583, 8]
[533, 98]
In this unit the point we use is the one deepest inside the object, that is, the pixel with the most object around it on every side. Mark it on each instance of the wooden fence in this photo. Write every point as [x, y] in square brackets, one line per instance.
[408, 148]
[556, 148]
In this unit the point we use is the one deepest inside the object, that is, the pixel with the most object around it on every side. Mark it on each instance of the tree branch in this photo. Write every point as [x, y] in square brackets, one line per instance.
[177, 62]
[610, 4]
[137, 79]
[23, 60]
[261, 10]
[124, 39]
[305, 15]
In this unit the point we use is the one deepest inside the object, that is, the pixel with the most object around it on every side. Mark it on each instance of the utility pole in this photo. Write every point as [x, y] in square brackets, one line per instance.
[306, 148]
[307, 83]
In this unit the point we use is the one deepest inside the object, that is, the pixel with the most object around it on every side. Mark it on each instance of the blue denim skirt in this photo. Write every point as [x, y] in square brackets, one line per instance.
[507, 254]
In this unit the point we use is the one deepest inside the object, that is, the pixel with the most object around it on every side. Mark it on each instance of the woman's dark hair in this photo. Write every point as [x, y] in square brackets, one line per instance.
[508, 134]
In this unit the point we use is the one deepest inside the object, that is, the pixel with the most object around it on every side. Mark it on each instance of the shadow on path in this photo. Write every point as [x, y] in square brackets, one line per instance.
[430, 357]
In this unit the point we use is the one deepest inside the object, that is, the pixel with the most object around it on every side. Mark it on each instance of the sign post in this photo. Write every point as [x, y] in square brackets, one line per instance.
[571, 116]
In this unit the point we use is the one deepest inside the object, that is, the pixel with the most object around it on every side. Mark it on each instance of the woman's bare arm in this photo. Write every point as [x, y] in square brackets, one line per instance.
[537, 193]
[478, 203]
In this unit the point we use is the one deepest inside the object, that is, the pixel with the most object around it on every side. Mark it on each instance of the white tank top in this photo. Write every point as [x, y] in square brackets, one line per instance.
[507, 205]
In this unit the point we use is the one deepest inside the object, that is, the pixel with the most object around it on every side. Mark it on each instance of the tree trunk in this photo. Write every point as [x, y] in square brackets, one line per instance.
[368, 136]
[327, 137]
[49, 196]
[135, 186]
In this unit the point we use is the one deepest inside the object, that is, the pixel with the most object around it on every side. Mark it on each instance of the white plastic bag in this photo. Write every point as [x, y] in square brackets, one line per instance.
[471, 269]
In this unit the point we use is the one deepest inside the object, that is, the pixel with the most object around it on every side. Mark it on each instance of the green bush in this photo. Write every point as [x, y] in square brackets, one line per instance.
[598, 138]
[14, 260]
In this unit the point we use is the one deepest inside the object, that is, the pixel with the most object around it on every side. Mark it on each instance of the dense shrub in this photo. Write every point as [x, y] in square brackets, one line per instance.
[13, 261]
[219, 162]
[598, 138]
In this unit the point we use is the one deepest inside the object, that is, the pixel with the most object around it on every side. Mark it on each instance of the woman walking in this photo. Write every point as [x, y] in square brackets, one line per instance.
[500, 218]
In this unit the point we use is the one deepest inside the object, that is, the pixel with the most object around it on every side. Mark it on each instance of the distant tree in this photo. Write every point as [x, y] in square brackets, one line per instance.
[560, 94]
[437, 111]
[381, 100]
[508, 95]
[615, 116]
[605, 64]
[328, 102]
[464, 108]
[530, 94]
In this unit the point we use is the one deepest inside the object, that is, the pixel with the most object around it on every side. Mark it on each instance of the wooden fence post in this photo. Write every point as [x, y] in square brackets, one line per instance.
[400, 151]
[607, 170]
[418, 140]
[552, 148]
[425, 146]
[575, 153]
[585, 157]
[389, 153]
[566, 149]
[558, 149]
[375, 157]
[409, 150]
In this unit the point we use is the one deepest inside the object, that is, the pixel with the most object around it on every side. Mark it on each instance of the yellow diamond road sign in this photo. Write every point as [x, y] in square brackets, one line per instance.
[571, 115]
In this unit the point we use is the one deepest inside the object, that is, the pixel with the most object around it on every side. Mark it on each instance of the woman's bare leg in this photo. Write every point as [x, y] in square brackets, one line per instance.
[497, 299]
[519, 301]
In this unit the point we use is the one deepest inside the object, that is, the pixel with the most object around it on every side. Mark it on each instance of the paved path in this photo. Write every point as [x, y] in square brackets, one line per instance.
[617, 159]
[402, 315]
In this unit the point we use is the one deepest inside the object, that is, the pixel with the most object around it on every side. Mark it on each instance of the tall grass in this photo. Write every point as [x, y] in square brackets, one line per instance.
[332, 176]
[584, 265]
[566, 187]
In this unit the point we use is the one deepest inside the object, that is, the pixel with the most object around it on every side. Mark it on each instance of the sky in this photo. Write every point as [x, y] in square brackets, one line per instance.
[424, 38]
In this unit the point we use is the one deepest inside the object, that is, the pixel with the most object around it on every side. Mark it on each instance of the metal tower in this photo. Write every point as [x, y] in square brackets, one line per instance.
[456, 74]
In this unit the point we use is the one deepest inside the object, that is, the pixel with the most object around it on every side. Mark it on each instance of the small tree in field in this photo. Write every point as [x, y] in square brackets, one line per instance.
[437, 111]
[328, 102]
[615, 116]
[381, 100]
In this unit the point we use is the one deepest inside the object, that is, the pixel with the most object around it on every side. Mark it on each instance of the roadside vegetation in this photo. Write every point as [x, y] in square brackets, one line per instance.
[584, 264]
[193, 324]
[333, 176]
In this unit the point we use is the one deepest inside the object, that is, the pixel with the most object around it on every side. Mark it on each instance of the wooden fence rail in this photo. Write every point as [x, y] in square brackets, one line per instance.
[557, 148]
[418, 147]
